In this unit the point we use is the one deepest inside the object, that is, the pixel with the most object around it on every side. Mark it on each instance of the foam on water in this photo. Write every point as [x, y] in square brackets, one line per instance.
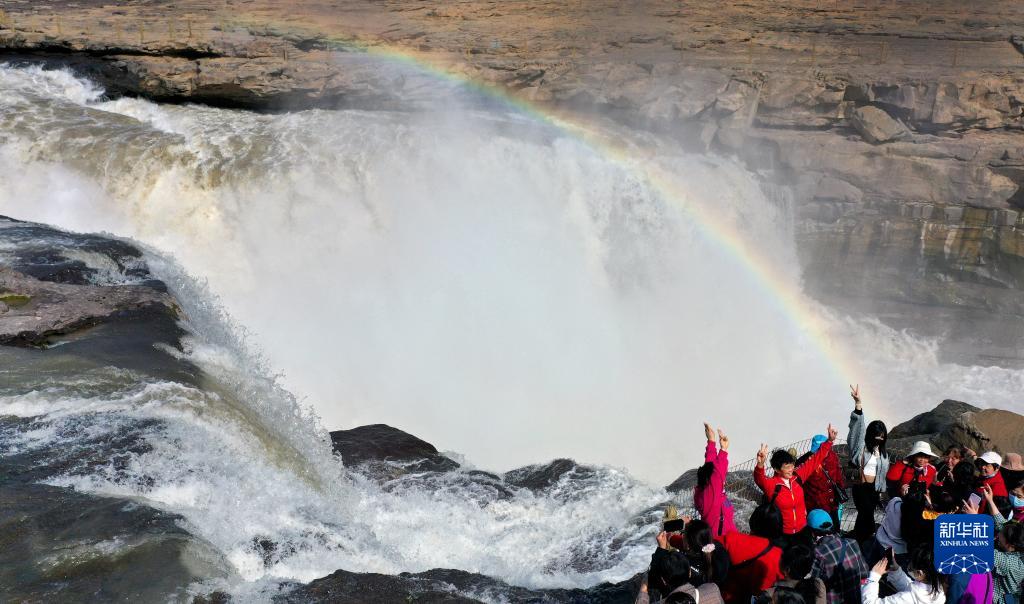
[480, 281]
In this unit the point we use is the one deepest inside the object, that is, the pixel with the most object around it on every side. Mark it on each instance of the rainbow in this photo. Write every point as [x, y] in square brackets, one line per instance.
[785, 295]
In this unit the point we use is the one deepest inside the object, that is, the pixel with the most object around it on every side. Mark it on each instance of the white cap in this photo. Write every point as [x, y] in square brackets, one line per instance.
[992, 457]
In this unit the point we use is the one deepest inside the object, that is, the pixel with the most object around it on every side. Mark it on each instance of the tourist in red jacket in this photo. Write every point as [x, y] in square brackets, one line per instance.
[754, 558]
[709, 497]
[989, 464]
[915, 472]
[785, 487]
[820, 489]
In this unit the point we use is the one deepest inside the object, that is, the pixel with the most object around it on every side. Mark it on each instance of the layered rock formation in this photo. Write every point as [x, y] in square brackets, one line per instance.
[960, 424]
[897, 125]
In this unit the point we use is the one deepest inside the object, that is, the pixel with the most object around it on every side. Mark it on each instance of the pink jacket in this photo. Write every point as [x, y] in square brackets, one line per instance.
[711, 501]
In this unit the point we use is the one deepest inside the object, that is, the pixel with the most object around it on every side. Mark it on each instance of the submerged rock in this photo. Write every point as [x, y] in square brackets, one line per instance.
[64, 546]
[542, 477]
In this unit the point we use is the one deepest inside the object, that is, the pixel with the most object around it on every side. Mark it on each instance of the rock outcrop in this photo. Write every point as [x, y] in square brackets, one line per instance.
[47, 291]
[961, 424]
[875, 125]
[382, 443]
[931, 423]
[38, 310]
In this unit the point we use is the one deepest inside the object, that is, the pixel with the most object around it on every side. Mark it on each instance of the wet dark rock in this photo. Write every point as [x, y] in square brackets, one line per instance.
[62, 546]
[544, 476]
[51, 309]
[49, 290]
[687, 480]
[382, 443]
[42, 252]
[445, 585]
[931, 423]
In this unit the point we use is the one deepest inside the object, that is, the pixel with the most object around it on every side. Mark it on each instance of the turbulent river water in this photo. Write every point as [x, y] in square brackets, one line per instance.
[467, 273]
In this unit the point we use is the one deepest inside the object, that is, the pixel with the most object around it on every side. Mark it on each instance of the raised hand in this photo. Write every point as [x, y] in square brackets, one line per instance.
[855, 393]
[723, 440]
[970, 507]
[663, 540]
[832, 433]
[762, 455]
[882, 566]
[709, 433]
[986, 491]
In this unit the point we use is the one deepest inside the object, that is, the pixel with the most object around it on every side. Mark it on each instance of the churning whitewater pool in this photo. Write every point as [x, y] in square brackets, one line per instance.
[491, 283]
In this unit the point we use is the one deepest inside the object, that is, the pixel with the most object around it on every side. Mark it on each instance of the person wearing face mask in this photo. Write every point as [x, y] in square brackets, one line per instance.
[869, 456]
[988, 464]
[1012, 470]
[785, 488]
[1017, 501]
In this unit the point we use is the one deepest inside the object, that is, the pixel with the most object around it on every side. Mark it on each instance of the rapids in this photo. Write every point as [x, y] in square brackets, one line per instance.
[467, 273]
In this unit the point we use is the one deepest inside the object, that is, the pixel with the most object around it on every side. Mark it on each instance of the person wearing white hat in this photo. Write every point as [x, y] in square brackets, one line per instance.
[988, 464]
[916, 472]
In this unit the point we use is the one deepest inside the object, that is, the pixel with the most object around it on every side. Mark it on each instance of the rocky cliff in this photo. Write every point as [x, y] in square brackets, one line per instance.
[897, 126]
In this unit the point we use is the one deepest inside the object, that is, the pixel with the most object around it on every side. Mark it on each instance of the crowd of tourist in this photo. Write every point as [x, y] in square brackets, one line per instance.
[796, 551]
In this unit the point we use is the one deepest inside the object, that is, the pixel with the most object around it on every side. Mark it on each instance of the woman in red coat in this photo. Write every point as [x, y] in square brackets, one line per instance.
[914, 473]
[785, 487]
[820, 489]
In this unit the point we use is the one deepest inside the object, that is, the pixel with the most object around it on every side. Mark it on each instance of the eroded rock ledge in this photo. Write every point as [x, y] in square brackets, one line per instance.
[57, 293]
